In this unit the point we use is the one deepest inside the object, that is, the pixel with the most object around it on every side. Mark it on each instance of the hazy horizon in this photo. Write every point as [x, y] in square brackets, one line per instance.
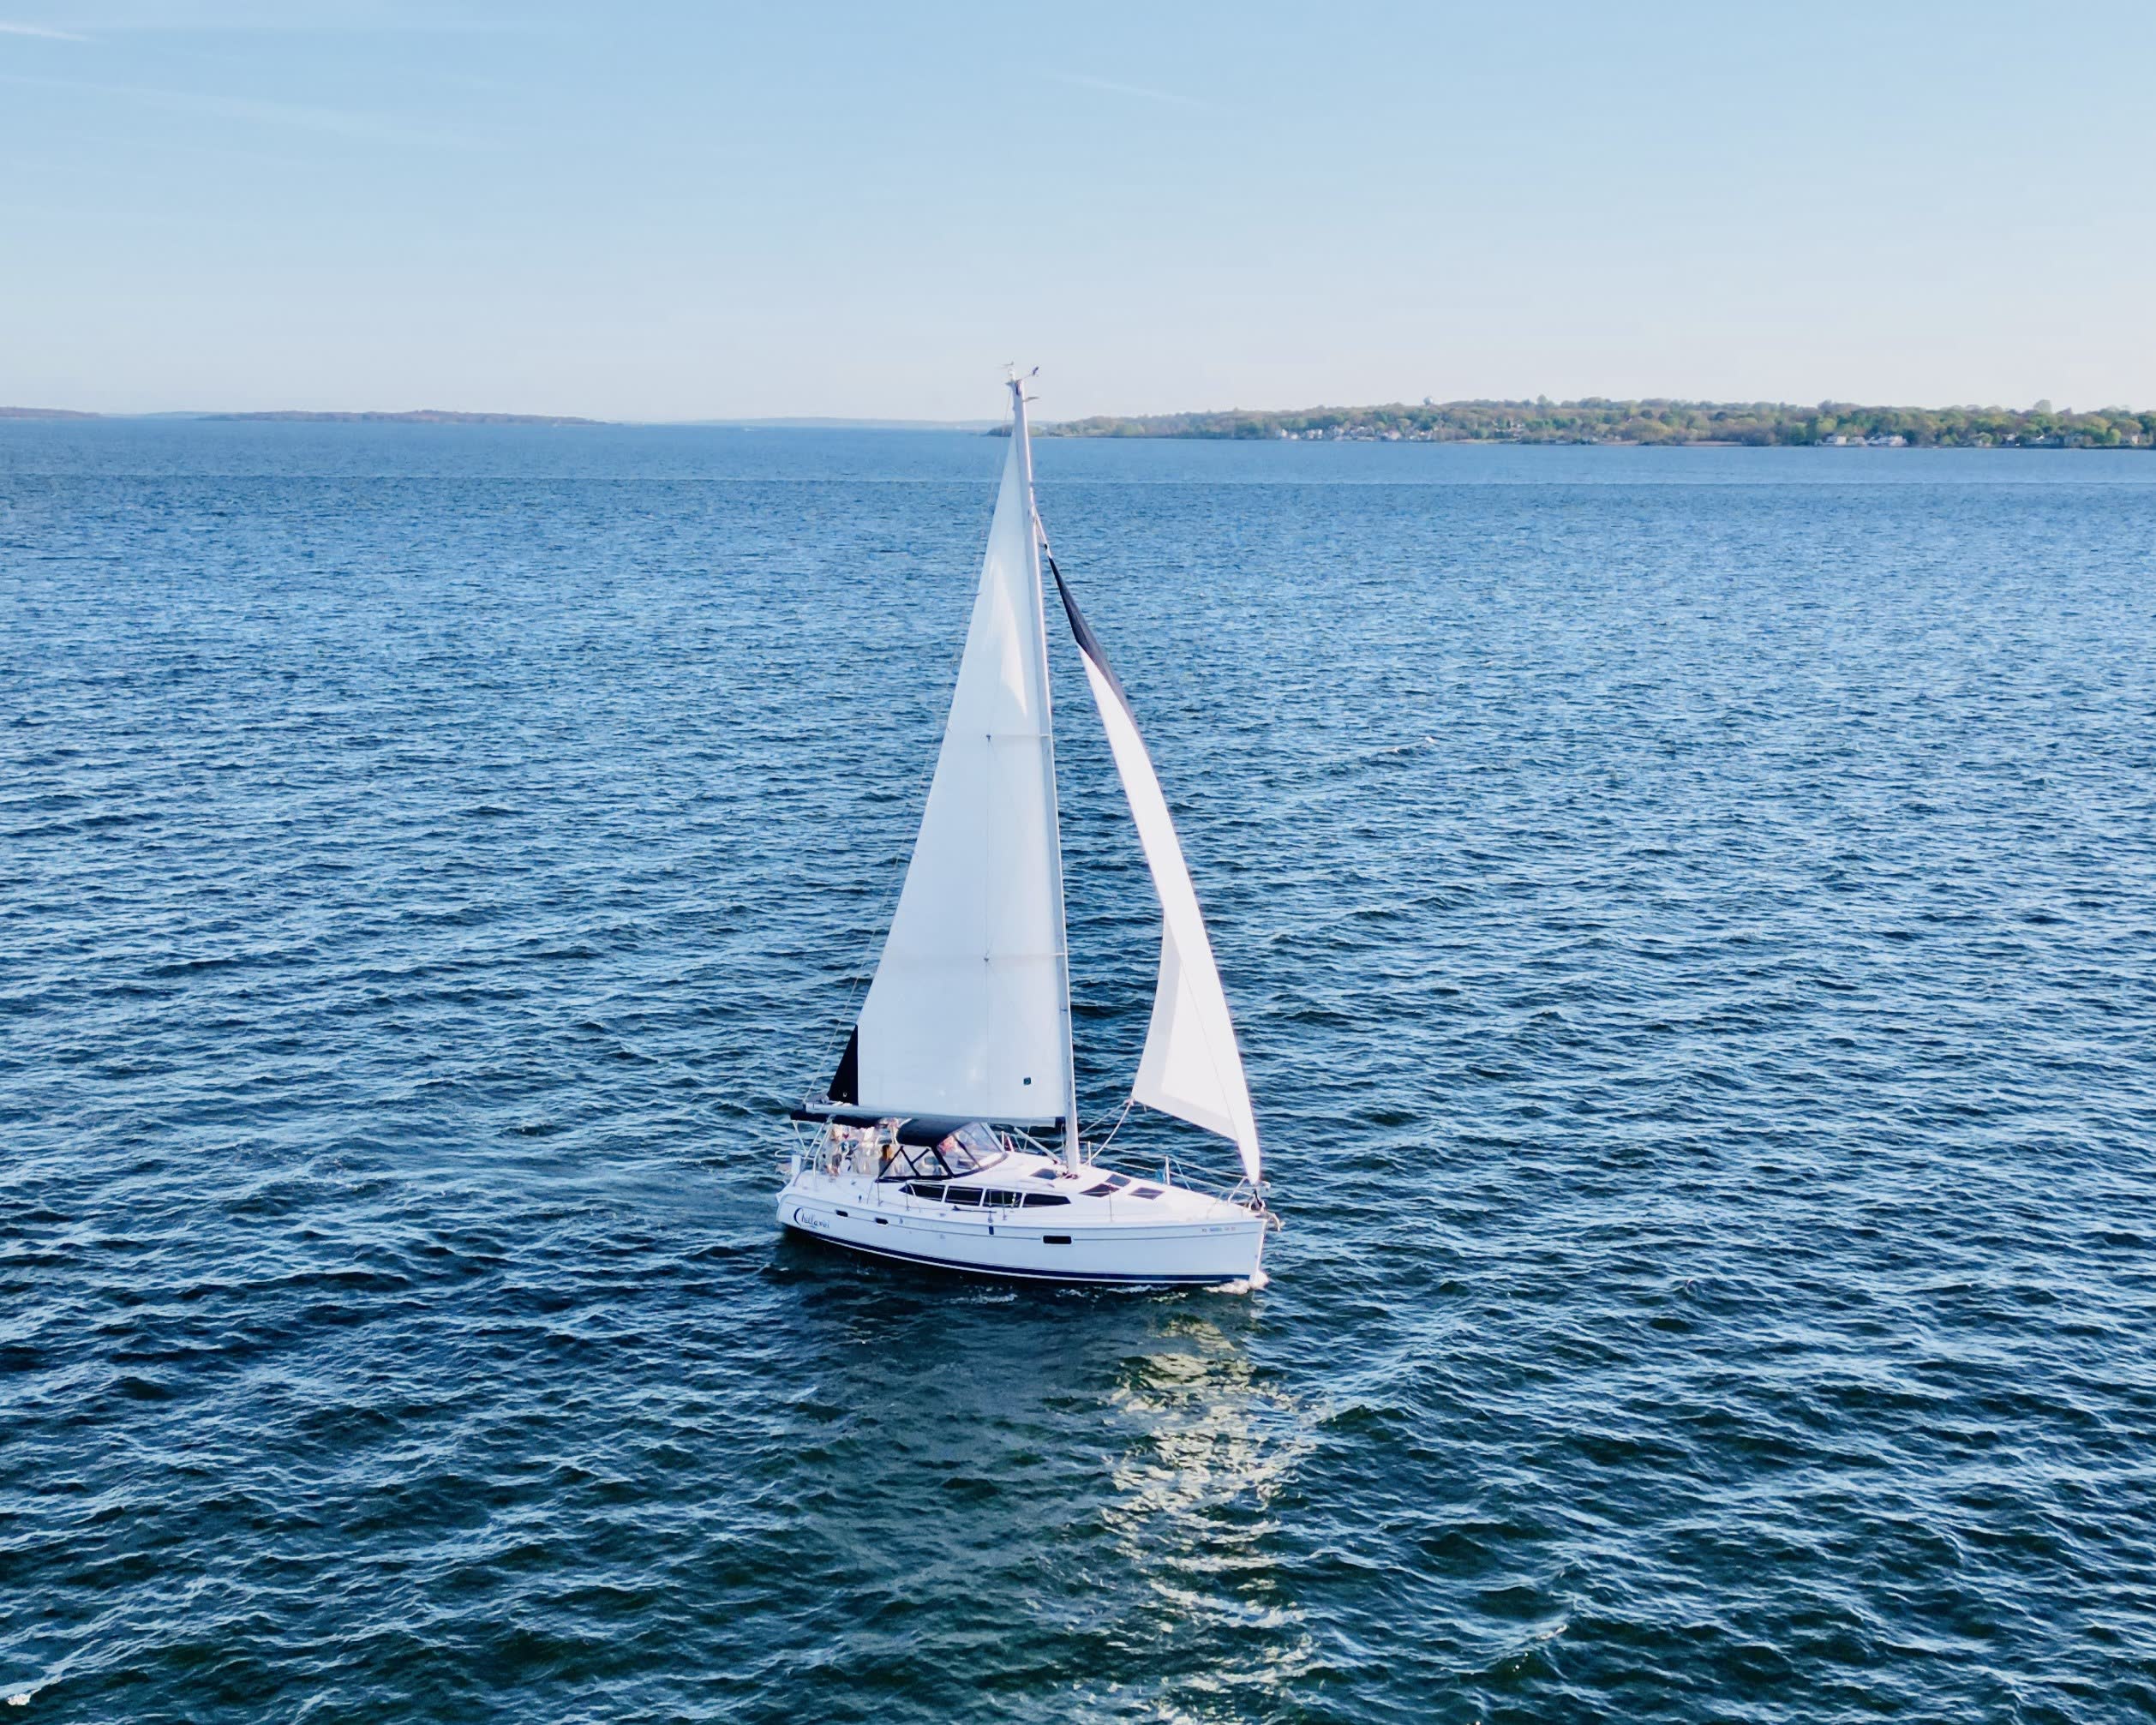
[845, 213]
[976, 422]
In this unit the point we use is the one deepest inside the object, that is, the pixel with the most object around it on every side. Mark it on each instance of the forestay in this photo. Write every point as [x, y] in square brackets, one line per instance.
[1191, 1067]
[969, 1012]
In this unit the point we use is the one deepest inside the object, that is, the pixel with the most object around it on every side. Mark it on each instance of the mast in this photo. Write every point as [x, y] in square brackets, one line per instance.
[1025, 448]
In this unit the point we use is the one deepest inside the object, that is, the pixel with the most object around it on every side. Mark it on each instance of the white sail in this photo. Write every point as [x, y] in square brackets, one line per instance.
[1191, 1067]
[969, 1010]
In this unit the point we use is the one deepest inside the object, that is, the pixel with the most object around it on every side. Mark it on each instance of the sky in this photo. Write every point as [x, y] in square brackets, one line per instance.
[704, 210]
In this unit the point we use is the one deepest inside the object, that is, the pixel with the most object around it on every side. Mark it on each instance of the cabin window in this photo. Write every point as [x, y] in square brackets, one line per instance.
[1002, 1200]
[923, 1188]
[1035, 1199]
[963, 1194]
[1055, 1239]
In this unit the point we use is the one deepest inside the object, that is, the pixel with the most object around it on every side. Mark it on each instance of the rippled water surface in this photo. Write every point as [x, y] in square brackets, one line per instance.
[1692, 920]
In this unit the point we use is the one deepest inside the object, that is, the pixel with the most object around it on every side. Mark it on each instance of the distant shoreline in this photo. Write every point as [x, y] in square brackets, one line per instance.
[1653, 422]
[1646, 423]
[423, 415]
[436, 415]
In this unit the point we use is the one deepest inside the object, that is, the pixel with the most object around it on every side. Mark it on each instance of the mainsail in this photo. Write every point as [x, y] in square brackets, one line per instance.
[1191, 1067]
[969, 1012]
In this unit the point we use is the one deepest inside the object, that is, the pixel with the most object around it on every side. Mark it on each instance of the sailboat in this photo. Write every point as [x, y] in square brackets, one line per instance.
[949, 1135]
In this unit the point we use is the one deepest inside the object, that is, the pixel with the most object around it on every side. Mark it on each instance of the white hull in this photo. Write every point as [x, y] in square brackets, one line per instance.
[1176, 1237]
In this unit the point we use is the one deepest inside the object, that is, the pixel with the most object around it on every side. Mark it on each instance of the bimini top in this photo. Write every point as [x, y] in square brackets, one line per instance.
[926, 1130]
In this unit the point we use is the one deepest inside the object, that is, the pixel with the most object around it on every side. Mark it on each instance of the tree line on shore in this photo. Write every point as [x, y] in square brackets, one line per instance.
[1598, 420]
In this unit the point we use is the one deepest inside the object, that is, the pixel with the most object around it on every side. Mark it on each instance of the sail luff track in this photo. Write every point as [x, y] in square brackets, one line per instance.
[1022, 453]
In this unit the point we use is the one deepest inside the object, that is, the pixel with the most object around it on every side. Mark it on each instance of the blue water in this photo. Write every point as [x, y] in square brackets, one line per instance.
[1692, 920]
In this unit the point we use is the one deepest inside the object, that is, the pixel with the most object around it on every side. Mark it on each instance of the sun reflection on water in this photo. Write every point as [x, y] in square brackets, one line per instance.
[1214, 1443]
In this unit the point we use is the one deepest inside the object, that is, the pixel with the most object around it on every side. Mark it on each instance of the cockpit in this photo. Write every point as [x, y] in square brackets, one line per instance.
[921, 1147]
[967, 1150]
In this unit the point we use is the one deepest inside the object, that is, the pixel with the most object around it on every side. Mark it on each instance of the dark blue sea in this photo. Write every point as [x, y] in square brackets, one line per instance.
[1691, 918]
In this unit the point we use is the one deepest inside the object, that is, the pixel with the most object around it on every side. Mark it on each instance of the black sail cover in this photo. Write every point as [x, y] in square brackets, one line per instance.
[846, 1083]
